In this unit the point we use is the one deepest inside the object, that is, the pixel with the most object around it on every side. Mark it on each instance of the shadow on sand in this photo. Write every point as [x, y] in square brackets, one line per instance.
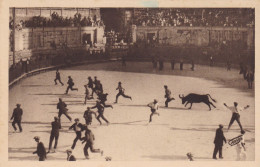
[166, 157]
[195, 129]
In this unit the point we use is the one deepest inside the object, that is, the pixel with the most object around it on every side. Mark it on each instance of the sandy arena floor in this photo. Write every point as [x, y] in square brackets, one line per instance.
[169, 137]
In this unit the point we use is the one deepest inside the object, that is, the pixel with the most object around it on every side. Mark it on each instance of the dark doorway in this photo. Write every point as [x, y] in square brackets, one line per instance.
[86, 38]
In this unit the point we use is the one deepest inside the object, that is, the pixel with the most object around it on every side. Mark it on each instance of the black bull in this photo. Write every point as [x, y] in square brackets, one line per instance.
[195, 98]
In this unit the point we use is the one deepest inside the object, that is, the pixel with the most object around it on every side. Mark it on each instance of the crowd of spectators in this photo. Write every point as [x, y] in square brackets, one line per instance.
[194, 17]
[115, 37]
[58, 21]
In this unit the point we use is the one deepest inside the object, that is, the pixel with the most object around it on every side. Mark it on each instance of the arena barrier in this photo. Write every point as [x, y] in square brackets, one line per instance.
[45, 69]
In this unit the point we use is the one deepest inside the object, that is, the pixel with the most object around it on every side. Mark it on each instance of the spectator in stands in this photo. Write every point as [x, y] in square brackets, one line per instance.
[154, 61]
[211, 61]
[250, 78]
[192, 65]
[181, 64]
[160, 64]
[228, 65]
[172, 63]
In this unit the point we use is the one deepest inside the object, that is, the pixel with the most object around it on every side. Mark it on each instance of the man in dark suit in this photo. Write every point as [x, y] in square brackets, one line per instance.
[61, 106]
[103, 98]
[88, 116]
[58, 77]
[17, 116]
[91, 85]
[219, 138]
[70, 157]
[41, 152]
[70, 85]
[56, 126]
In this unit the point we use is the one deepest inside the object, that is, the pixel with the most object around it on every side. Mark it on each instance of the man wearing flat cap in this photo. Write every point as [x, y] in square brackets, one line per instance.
[219, 138]
[17, 116]
[41, 151]
[70, 157]
[78, 128]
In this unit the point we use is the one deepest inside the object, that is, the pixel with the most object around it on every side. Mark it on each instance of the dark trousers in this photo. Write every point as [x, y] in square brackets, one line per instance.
[102, 116]
[153, 112]
[42, 158]
[181, 66]
[87, 146]
[172, 64]
[71, 88]
[51, 140]
[217, 149]
[154, 65]
[160, 65]
[122, 94]
[167, 101]
[78, 137]
[93, 90]
[192, 67]
[250, 84]
[235, 116]
[88, 121]
[211, 63]
[65, 113]
[55, 80]
[18, 122]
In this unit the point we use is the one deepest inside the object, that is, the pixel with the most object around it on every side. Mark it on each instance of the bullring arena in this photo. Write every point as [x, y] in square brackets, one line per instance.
[215, 45]
[169, 137]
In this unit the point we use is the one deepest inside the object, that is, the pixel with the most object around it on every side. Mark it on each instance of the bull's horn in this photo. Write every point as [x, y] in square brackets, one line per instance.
[180, 96]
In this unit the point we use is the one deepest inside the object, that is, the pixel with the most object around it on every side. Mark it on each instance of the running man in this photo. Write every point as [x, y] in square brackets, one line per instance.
[98, 88]
[91, 85]
[17, 116]
[167, 95]
[87, 94]
[77, 127]
[61, 106]
[235, 114]
[100, 111]
[89, 139]
[94, 85]
[103, 98]
[58, 77]
[70, 85]
[154, 107]
[88, 116]
[121, 92]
